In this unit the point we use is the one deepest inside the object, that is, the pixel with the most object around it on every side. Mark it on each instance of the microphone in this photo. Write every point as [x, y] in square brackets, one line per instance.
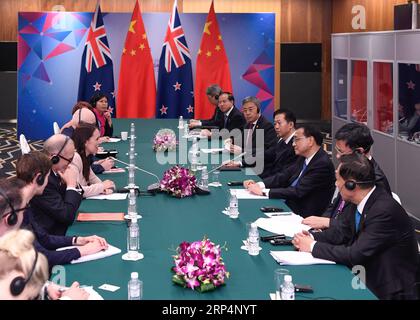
[202, 190]
[237, 157]
[155, 187]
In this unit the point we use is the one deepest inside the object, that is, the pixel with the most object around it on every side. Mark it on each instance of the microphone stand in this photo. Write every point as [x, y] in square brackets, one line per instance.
[153, 188]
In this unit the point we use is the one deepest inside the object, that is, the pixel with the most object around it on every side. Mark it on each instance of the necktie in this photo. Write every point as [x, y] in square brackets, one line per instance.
[357, 217]
[226, 119]
[249, 135]
[295, 182]
[339, 209]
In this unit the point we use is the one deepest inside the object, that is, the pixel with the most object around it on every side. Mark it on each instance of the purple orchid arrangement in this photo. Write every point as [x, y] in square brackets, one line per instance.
[199, 266]
[164, 140]
[179, 182]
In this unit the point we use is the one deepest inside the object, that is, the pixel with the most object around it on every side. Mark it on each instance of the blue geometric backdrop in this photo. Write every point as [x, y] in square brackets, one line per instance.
[50, 47]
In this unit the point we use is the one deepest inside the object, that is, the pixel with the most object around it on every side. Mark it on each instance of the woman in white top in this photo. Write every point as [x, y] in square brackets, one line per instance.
[86, 142]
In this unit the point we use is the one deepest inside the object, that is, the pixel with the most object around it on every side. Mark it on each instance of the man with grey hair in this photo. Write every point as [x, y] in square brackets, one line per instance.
[257, 138]
[213, 92]
[55, 209]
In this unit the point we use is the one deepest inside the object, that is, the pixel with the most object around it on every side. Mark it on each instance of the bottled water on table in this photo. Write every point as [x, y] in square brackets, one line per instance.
[132, 131]
[131, 176]
[181, 122]
[186, 130]
[132, 206]
[133, 236]
[288, 289]
[204, 177]
[135, 287]
[233, 206]
[253, 240]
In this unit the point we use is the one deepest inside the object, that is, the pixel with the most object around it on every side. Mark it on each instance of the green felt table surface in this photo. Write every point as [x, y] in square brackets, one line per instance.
[167, 221]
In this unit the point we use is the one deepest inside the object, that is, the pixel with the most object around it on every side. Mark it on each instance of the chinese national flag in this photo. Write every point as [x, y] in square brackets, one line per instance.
[212, 66]
[136, 87]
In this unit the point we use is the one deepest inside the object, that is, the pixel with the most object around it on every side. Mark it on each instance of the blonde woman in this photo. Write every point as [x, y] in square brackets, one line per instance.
[23, 271]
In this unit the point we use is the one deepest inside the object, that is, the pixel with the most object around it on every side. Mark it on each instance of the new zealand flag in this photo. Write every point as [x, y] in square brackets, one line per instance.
[175, 96]
[96, 74]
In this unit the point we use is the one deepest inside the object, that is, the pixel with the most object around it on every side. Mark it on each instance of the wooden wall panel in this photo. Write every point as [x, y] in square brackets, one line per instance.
[310, 21]
[379, 14]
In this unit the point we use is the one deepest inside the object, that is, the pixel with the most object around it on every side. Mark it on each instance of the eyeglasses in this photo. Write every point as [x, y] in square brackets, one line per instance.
[300, 138]
[340, 151]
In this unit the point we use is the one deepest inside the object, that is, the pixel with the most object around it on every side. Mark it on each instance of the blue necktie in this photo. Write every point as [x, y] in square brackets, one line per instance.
[357, 217]
[226, 119]
[295, 182]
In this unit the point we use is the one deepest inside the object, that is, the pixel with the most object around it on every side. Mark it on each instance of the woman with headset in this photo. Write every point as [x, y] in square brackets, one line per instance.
[99, 102]
[23, 271]
[86, 142]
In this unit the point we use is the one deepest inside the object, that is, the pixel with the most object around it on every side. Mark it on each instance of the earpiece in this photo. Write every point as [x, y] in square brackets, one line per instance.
[12, 218]
[18, 284]
[351, 184]
[40, 180]
[56, 157]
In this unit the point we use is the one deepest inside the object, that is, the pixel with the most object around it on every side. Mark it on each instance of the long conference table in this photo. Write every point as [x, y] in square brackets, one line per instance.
[168, 221]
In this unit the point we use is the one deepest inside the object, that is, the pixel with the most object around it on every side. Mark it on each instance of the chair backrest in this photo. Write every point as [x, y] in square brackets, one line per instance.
[24, 146]
[56, 128]
[396, 197]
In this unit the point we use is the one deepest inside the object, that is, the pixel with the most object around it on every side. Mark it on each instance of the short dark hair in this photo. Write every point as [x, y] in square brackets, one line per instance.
[359, 168]
[96, 97]
[229, 95]
[311, 131]
[289, 116]
[11, 193]
[32, 163]
[355, 135]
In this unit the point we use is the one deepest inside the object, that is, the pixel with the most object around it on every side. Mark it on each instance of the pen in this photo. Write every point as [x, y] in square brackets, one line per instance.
[281, 214]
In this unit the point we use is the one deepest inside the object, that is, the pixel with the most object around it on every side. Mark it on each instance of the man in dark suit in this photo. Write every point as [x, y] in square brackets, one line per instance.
[308, 184]
[378, 235]
[352, 137]
[258, 136]
[56, 208]
[282, 154]
[213, 92]
[231, 118]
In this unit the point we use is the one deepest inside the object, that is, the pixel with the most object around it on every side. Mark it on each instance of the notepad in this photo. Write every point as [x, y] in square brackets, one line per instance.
[288, 225]
[105, 216]
[245, 194]
[114, 140]
[112, 196]
[213, 150]
[99, 255]
[297, 258]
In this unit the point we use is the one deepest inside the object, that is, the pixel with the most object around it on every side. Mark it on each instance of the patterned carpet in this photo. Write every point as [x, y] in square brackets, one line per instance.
[10, 149]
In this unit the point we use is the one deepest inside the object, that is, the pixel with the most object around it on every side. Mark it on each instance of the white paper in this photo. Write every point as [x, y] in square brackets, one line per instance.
[119, 170]
[95, 256]
[278, 214]
[245, 194]
[112, 196]
[297, 258]
[93, 295]
[109, 287]
[287, 225]
[214, 150]
[114, 140]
